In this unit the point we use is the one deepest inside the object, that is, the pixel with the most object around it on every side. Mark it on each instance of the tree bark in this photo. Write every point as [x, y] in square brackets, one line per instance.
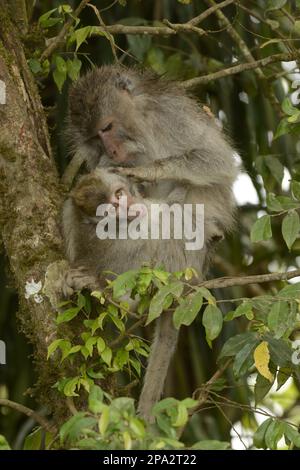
[30, 197]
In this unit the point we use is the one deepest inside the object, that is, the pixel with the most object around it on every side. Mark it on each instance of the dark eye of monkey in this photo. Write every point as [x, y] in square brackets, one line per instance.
[120, 192]
[107, 128]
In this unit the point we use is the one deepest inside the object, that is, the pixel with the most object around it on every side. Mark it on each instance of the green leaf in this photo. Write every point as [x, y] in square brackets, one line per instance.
[137, 427]
[107, 355]
[288, 108]
[58, 343]
[121, 359]
[278, 318]
[287, 203]
[59, 78]
[60, 64]
[70, 387]
[182, 416]
[282, 129]
[261, 388]
[280, 351]
[104, 420]
[212, 321]
[274, 433]
[157, 304]
[290, 291]
[89, 344]
[295, 186]
[259, 435]
[139, 45]
[290, 228]
[34, 440]
[261, 230]
[243, 309]
[96, 400]
[45, 21]
[282, 376]
[189, 402]
[124, 283]
[243, 360]
[273, 204]
[73, 428]
[295, 118]
[164, 405]
[73, 67]
[67, 315]
[35, 66]
[206, 294]
[236, 344]
[275, 167]
[188, 309]
[80, 36]
[292, 434]
[275, 4]
[100, 345]
[211, 445]
[4, 445]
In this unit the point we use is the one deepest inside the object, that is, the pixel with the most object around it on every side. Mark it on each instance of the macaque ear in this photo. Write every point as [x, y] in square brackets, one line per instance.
[123, 82]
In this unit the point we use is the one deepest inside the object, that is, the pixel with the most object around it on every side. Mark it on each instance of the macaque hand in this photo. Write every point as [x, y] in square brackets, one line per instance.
[138, 173]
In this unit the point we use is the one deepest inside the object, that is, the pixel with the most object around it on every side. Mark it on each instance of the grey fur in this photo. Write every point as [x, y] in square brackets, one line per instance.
[178, 153]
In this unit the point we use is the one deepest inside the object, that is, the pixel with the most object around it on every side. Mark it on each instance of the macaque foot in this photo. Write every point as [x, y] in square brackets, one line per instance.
[76, 280]
[144, 411]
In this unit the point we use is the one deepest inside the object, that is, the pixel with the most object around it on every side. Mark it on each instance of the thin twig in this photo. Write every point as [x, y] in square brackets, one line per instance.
[281, 57]
[245, 280]
[202, 393]
[30, 413]
[236, 38]
[60, 38]
[198, 19]
[128, 332]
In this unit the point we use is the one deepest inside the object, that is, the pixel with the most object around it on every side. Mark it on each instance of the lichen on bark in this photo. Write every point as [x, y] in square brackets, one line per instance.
[30, 200]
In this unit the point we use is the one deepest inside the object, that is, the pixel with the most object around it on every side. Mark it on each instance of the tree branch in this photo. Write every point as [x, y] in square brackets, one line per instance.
[30, 202]
[44, 423]
[245, 280]
[171, 28]
[281, 57]
[198, 19]
[19, 11]
[60, 38]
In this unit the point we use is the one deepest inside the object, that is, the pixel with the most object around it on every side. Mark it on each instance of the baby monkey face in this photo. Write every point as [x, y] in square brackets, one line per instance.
[104, 187]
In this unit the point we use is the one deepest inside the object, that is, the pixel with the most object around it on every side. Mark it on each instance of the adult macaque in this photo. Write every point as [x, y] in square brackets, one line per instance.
[149, 130]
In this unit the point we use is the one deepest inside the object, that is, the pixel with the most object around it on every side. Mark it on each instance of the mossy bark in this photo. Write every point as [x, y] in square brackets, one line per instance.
[30, 197]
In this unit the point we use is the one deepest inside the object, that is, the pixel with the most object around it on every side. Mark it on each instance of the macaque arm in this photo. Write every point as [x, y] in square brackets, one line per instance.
[199, 168]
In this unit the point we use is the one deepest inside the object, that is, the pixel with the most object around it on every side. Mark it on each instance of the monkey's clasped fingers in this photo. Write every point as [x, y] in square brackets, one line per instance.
[137, 173]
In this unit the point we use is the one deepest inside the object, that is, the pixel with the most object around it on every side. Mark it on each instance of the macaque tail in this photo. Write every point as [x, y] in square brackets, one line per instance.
[162, 350]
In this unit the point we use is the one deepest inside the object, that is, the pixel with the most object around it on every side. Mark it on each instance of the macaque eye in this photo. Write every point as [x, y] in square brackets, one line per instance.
[107, 128]
[120, 192]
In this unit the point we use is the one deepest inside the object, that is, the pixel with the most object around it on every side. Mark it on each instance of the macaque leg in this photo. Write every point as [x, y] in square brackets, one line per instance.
[162, 350]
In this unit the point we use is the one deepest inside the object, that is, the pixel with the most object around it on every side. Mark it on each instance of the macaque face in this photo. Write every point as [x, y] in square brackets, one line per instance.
[92, 191]
[104, 118]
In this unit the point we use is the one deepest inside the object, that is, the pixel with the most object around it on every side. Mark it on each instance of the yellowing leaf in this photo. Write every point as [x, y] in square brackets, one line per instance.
[262, 359]
[127, 441]
[104, 420]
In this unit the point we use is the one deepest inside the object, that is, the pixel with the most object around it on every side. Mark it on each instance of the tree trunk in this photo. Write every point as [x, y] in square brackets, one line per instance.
[30, 196]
